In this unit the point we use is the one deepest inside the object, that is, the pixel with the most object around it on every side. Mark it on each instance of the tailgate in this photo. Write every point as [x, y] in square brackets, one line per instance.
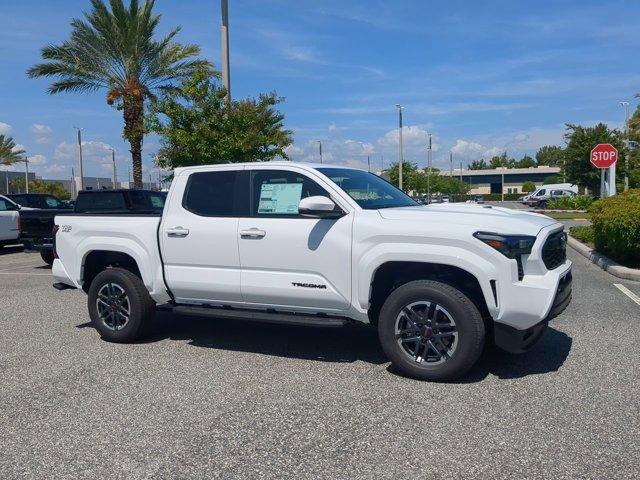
[37, 223]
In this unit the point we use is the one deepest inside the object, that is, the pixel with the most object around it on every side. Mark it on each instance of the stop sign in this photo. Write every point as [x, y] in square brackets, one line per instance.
[604, 155]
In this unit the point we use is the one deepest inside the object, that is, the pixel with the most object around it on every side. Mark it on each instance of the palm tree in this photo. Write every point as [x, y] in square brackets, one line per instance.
[114, 49]
[8, 152]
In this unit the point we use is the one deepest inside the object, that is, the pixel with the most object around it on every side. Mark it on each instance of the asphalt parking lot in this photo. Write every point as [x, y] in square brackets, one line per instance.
[227, 399]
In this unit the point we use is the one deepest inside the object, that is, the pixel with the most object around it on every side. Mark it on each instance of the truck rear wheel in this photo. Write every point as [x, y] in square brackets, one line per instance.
[47, 256]
[120, 306]
[431, 331]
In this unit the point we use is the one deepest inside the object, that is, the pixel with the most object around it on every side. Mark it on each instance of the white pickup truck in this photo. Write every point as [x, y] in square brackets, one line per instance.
[322, 245]
[9, 222]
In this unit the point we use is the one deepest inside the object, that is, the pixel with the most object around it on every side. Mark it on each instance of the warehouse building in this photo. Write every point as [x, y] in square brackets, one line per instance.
[502, 180]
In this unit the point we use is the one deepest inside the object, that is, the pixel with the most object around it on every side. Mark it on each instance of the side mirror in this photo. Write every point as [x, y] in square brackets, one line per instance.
[319, 207]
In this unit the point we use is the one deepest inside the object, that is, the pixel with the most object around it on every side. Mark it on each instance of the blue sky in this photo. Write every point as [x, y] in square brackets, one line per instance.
[482, 77]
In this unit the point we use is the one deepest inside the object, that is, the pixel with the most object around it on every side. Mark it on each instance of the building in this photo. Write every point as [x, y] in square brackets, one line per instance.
[502, 180]
[6, 177]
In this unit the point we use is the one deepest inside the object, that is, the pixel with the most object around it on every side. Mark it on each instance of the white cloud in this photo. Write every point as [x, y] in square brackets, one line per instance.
[18, 147]
[91, 151]
[42, 133]
[56, 168]
[293, 150]
[5, 129]
[412, 136]
[469, 151]
[37, 160]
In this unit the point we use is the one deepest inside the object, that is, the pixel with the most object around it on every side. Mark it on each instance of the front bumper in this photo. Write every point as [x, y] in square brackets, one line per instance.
[518, 341]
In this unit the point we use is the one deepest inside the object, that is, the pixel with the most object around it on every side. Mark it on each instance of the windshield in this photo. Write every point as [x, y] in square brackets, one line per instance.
[368, 190]
[45, 202]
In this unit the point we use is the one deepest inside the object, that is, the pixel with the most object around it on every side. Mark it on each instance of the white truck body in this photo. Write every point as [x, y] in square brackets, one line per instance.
[9, 218]
[315, 265]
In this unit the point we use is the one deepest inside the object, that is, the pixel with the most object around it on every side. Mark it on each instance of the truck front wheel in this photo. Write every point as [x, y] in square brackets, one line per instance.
[431, 331]
[47, 256]
[120, 306]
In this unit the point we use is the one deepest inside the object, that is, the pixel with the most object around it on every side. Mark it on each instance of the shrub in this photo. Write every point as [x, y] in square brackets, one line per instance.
[583, 233]
[616, 227]
[579, 202]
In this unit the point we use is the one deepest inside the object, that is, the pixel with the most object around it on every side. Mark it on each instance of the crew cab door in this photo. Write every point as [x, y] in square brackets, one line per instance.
[199, 237]
[289, 260]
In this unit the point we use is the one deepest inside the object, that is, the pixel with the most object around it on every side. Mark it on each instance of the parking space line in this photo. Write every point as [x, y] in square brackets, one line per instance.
[25, 273]
[627, 292]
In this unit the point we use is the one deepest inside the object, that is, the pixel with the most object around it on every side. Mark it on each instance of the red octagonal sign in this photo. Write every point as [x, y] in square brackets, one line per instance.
[604, 155]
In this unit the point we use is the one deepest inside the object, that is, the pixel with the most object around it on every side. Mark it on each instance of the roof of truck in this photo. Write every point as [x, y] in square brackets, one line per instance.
[278, 163]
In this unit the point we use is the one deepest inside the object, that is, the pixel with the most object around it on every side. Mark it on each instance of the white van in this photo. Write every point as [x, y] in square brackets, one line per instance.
[544, 190]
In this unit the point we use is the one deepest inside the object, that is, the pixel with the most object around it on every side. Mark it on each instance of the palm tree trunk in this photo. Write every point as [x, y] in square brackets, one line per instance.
[133, 132]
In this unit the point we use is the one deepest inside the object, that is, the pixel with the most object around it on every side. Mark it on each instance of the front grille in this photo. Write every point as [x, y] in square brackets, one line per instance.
[554, 252]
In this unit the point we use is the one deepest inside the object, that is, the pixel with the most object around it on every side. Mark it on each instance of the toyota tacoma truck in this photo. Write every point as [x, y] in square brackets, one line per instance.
[325, 246]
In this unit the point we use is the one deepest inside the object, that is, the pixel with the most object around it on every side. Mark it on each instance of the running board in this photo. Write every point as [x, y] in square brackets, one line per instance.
[63, 286]
[264, 316]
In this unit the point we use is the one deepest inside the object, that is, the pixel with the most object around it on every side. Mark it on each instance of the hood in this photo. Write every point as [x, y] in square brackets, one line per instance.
[481, 217]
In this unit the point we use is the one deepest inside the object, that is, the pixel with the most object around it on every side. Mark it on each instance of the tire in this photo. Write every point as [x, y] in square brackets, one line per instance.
[449, 347]
[47, 256]
[113, 326]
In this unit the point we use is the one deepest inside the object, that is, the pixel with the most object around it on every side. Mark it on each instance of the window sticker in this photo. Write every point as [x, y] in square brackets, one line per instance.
[280, 198]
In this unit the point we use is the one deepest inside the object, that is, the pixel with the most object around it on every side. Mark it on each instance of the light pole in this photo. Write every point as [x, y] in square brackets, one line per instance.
[429, 170]
[26, 173]
[113, 161]
[625, 105]
[224, 32]
[80, 150]
[400, 155]
[451, 164]
[320, 149]
[368, 163]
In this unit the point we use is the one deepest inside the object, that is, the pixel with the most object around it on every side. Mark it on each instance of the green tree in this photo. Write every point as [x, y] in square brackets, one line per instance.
[525, 162]
[114, 49]
[580, 141]
[528, 187]
[9, 154]
[550, 155]
[478, 165]
[502, 161]
[38, 186]
[198, 127]
[634, 154]
[409, 179]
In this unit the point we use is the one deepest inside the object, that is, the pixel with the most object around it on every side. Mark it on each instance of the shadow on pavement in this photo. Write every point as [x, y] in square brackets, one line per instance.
[11, 249]
[343, 344]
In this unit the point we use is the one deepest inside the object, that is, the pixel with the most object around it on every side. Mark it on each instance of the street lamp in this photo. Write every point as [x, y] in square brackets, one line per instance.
[80, 150]
[113, 161]
[224, 46]
[26, 173]
[320, 149]
[625, 105]
[400, 155]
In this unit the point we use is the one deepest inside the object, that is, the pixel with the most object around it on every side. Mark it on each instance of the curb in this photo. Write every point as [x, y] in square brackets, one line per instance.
[603, 262]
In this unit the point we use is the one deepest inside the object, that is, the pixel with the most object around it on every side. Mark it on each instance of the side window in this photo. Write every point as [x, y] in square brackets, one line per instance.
[277, 193]
[4, 205]
[212, 194]
[541, 193]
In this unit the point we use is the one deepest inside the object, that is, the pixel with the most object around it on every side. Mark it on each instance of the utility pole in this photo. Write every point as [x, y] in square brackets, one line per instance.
[502, 181]
[460, 170]
[224, 46]
[429, 171]
[451, 164]
[80, 150]
[73, 184]
[113, 160]
[626, 136]
[368, 163]
[400, 154]
[381, 164]
[320, 148]
[26, 173]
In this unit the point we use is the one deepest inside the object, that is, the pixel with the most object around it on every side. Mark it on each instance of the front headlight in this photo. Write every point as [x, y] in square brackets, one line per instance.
[511, 246]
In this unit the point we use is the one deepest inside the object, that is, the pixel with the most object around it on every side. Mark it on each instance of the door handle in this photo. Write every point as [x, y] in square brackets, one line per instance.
[252, 233]
[177, 232]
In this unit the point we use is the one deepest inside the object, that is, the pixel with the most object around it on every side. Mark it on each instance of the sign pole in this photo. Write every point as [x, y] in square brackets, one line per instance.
[612, 180]
[602, 184]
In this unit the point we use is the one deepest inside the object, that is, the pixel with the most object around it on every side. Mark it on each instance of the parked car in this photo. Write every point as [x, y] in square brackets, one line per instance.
[533, 198]
[37, 211]
[541, 201]
[301, 244]
[9, 221]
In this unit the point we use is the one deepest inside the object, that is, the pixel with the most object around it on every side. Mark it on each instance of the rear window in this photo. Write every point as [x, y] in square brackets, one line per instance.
[211, 194]
[103, 201]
